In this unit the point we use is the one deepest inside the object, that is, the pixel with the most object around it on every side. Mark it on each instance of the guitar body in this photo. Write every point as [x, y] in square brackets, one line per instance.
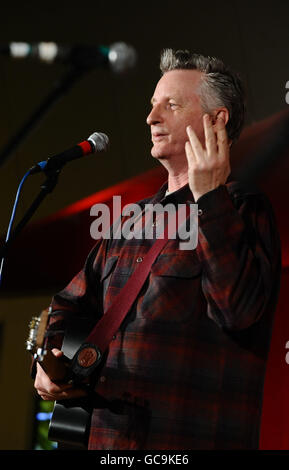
[70, 421]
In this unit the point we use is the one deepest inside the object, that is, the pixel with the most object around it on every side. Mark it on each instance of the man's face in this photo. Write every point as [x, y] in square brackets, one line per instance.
[175, 105]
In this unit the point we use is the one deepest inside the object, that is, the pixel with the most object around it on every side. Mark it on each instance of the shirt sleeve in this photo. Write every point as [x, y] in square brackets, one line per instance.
[239, 248]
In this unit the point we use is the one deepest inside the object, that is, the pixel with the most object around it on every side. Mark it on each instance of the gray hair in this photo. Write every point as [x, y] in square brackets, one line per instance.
[220, 86]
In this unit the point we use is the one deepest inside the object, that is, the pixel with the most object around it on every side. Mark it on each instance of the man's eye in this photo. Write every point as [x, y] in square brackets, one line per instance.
[172, 105]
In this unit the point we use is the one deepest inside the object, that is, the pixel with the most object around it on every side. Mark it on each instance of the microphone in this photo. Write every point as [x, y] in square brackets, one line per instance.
[119, 56]
[97, 142]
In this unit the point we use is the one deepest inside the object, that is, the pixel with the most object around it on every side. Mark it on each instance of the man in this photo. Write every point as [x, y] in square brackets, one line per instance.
[186, 369]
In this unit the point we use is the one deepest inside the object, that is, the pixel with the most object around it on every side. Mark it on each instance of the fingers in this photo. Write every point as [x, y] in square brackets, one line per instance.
[210, 136]
[43, 383]
[216, 141]
[57, 352]
[52, 391]
[64, 395]
[190, 154]
[222, 137]
[194, 149]
[49, 390]
[208, 167]
[197, 153]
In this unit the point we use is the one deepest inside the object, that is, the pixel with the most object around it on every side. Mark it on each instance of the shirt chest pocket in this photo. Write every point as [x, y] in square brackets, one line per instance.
[173, 288]
[114, 276]
[184, 266]
[170, 292]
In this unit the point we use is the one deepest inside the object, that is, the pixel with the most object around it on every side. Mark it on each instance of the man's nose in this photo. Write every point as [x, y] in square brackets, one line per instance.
[154, 116]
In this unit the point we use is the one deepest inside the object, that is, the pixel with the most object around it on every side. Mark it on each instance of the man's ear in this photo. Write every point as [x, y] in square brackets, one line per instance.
[222, 113]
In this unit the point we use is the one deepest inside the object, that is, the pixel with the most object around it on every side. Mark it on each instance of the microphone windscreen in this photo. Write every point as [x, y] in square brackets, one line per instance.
[122, 57]
[100, 141]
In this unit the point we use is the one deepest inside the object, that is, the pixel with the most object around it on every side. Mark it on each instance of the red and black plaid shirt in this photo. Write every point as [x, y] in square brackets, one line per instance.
[186, 370]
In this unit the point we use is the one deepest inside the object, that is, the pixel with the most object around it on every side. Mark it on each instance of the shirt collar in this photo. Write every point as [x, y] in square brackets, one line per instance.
[182, 195]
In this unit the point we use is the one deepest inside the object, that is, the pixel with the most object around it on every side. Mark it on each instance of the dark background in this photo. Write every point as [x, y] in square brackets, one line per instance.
[253, 37]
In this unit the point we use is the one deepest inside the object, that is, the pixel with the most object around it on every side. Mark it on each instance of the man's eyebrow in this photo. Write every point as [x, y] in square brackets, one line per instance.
[166, 98]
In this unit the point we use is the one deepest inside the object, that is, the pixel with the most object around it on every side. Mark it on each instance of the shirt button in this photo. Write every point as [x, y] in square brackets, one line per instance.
[102, 379]
[139, 259]
[114, 337]
[200, 212]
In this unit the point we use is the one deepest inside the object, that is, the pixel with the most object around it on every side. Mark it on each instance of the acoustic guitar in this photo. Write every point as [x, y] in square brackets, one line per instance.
[70, 422]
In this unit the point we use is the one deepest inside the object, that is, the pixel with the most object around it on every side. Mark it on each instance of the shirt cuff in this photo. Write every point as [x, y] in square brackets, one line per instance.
[214, 204]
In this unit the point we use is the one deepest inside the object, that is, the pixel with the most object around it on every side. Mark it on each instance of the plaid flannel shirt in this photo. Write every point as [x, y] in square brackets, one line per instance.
[186, 369]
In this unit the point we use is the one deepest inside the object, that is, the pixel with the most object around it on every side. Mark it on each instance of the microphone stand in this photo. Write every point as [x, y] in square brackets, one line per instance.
[60, 88]
[46, 188]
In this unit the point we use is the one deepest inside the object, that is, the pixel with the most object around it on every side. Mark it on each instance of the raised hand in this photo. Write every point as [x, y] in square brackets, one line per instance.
[208, 167]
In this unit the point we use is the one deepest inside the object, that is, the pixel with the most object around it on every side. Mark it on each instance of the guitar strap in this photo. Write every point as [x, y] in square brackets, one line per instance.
[91, 352]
